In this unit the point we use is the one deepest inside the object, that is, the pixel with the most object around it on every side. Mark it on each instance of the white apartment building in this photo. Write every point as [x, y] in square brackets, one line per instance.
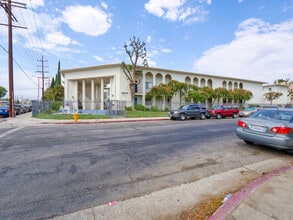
[281, 88]
[91, 87]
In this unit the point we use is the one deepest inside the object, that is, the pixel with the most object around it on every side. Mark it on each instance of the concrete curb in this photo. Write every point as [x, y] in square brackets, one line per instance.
[239, 196]
[114, 120]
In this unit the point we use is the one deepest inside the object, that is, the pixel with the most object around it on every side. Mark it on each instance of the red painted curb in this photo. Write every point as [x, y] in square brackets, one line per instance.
[238, 197]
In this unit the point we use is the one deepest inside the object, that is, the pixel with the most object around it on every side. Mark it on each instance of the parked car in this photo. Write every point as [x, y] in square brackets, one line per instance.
[189, 111]
[4, 111]
[223, 111]
[17, 109]
[247, 111]
[28, 107]
[272, 127]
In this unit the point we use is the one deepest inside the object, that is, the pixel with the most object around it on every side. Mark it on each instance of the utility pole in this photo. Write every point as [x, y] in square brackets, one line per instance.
[6, 5]
[43, 76]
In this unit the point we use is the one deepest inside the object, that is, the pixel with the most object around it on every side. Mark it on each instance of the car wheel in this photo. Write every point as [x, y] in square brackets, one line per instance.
[202, 116]
[234, 115]
[248, 142]
[182, 117]
[218, 116]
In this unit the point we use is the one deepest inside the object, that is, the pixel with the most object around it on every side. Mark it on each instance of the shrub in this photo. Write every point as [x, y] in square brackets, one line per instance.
[154, 108]
[55, 106]
[128, 108]
[140, 107]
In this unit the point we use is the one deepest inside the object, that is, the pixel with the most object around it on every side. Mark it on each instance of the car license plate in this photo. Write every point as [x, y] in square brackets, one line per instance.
[257, 128]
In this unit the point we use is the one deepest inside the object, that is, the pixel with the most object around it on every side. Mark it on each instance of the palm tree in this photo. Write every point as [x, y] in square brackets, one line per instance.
[178, 87]
[221, 93]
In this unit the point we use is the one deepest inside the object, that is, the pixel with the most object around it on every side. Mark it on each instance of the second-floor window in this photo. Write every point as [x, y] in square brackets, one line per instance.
[148, 85]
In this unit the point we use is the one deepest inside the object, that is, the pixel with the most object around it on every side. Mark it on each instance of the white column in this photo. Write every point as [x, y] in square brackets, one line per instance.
[92, 94]
[66, 85]
[164, 99]
[76, 94]
[154, 84]
[143, 89]
[102, 94]
[112, 89]
[83, 95]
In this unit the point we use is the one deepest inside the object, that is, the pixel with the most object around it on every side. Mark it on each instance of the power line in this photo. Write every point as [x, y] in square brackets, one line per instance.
[43, 76]
[7, 5]
[28, 76]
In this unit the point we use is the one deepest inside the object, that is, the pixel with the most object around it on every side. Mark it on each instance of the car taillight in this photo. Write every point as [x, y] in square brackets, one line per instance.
[241, 124]
[281, 130]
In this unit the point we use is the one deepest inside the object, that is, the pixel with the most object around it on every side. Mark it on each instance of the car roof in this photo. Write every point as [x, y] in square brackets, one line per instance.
[278, 109]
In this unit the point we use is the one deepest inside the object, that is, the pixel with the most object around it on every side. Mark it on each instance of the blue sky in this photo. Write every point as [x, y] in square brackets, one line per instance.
[248, 39]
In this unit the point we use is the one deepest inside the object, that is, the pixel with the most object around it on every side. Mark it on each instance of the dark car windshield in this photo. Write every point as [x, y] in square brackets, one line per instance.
[274, 114]
[185, 107]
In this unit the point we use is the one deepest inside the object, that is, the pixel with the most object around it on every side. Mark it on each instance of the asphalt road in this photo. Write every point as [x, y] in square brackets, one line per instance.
[52, 170]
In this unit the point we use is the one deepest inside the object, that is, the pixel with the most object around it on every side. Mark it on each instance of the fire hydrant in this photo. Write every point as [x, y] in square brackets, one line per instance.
[75, 117]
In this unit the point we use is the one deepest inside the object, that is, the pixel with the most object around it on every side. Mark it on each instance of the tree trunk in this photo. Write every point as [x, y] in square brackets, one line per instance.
[132, 94]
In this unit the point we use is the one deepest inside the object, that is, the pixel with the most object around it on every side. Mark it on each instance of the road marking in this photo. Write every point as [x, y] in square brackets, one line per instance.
[8, 132]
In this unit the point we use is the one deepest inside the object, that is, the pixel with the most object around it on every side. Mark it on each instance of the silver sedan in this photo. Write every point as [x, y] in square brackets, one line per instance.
[272, 127]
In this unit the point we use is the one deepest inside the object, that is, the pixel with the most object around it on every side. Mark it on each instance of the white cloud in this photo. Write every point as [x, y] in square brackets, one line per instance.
[87, 19]
[104, 5]
[34, 3]
[59, 38]
[176, 10]
[44, 33]
[165, 50]
[98, 58]
[260, 51]
[206, 1]
[149, 38]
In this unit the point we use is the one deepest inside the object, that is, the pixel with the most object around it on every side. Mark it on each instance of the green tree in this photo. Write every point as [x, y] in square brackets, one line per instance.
[58, 76]
[3, 92]
[221, 93]
[52, 83]
[54, 94]
[136, 50]
[196, 94]
[241, 95]
[56, 90]
[161, 91]
[270, 96]
[178, 88]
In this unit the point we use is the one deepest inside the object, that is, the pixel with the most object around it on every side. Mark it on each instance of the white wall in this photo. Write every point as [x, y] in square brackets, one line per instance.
[120, 90]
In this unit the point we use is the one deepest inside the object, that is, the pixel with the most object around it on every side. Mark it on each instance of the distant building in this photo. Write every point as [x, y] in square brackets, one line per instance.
[93, 87]
[282, 88]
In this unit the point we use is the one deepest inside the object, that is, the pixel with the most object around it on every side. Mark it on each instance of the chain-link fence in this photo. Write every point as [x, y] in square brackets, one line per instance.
[112, 108]
[40, 106]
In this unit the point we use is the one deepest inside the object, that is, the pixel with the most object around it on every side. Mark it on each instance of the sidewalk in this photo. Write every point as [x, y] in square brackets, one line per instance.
[28, 120]
[268, 197]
